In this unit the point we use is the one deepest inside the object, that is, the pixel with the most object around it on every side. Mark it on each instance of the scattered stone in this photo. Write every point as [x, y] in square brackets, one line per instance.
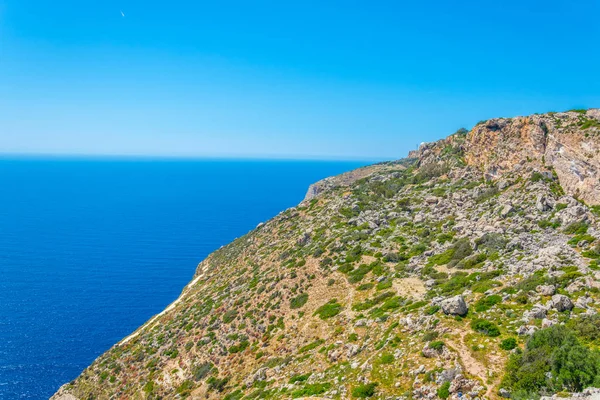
[546, 290]
[544, 204]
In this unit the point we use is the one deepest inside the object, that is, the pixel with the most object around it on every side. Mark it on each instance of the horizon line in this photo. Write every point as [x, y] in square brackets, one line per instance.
[167, 157]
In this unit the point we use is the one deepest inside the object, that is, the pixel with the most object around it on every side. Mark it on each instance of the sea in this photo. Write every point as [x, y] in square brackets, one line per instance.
[90, 249]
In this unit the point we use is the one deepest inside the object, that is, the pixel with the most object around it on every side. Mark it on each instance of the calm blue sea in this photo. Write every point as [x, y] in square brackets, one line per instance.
[91, 249]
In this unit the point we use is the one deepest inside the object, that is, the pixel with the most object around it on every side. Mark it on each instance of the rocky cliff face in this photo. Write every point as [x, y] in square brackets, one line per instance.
[567, 144]
[468, 270]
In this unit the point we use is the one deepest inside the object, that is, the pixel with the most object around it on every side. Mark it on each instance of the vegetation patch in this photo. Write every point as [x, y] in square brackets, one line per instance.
[443, 391]
[554, 360]
[508, 344]
[364, 391]
[329, 310]
[485, 303]
[485, 327]
[313, 389]
[299, 301]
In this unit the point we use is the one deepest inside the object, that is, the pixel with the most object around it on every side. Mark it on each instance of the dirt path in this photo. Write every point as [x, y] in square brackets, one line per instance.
[474, 367]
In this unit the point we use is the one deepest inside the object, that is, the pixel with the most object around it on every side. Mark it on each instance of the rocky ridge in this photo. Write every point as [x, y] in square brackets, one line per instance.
[438, 276]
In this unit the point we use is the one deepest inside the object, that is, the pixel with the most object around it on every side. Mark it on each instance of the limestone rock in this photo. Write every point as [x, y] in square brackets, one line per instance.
[561, 302]
[455, 306]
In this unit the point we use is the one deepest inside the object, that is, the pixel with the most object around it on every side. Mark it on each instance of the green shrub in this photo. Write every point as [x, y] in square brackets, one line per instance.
[461, 281]
[386, 358]
[313, 389]
[217, 384]
[544, 223]
[430, 171]
[372, 302]
[475, 261]
[485, 327]
[594, 252]
[484, 286]
[384, 284]
[537, 176]
[576, 228]
[485, 303]
[149, 387]
[530, 283]
[553, 360]
[508, 344]
[431, 310]
[453, 255]
[437, 345]
[443, 391]
[429, 336]
[392, 303]
[185, 388]
[586, 327]
[237, 395]
[238, 348]
[300, 378]
[522, 298]
[364, 391]
[329, 310]
[578, 238]
[359, 273]
[299, 301]
[311, 346]
[442, 258]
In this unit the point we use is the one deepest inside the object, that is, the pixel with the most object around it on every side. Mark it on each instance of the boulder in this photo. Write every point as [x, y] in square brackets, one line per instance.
[506, 210]
[546, 290]
[546, 323]
[537, 312]
[526, 330]
[352, 350]
[561, 302]
[543, 204]
[455, 306]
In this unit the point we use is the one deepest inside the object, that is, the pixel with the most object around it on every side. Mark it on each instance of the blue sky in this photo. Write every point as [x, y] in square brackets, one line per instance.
[330, 79]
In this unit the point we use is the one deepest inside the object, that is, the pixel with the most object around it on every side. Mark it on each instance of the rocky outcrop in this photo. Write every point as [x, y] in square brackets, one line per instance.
[565, 143]
[563, 146]
[348, 178]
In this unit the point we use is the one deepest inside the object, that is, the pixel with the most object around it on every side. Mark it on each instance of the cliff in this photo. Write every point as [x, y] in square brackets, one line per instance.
[469, 270]
[566, 143]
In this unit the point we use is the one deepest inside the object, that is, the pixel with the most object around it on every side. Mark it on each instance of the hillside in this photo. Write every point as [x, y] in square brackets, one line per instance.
[468, 269]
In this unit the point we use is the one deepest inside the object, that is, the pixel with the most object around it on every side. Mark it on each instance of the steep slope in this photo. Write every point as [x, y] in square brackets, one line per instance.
[413, 279]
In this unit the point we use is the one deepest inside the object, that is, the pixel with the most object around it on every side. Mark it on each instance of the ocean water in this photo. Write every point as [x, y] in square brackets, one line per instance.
[91, 249]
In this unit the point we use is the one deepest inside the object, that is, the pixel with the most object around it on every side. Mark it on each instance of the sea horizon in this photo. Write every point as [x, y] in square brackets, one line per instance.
[158, 157]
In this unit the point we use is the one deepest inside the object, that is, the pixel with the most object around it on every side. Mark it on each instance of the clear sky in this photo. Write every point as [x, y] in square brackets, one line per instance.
[340, 79]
